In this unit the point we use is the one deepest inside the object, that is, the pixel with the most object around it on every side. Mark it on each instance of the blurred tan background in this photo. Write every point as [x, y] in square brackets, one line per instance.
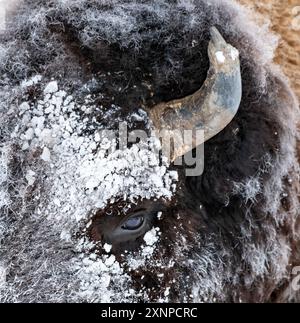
[285, 20]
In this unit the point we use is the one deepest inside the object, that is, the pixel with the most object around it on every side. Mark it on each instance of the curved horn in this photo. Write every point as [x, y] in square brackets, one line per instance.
[213, 106]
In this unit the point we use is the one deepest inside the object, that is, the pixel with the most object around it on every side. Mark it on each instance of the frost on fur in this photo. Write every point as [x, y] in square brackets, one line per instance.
[71, 69]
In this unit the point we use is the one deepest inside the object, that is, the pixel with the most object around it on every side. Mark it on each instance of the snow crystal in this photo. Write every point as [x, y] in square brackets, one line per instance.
[28, 135]
[220, 57]
[51, 87]
[24, 107]
[30, 177]
[46, 155]
[65, 236]
[110, 261]
[167, 292]
[25, 145]
[97, 137]
[107, 247]
[32, 81]
[151, 237]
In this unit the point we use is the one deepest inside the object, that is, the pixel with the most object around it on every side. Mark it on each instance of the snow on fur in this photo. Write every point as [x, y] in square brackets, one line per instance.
[55, 172]
[80, 180]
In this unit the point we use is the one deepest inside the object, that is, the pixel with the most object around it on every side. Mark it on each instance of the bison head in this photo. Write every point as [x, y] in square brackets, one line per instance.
[84, 218]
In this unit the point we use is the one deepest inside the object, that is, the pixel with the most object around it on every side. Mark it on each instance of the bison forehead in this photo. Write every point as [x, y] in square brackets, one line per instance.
[85, 171]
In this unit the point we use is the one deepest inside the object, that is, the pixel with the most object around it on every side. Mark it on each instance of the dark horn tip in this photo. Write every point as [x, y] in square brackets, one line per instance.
[216, 36]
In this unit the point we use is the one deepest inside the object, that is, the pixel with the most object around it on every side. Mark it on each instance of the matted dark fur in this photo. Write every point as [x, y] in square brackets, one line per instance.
[240, 218]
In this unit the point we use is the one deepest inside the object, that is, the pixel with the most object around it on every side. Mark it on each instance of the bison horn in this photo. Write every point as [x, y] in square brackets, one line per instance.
[213, 106]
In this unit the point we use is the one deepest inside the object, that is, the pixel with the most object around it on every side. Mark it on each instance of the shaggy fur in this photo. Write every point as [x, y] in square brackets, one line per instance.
[232, 233]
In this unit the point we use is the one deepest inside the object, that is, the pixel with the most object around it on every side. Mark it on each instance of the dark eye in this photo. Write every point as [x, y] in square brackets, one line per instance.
[133, 223]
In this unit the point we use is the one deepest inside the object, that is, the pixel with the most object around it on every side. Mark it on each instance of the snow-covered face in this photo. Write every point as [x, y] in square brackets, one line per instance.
[93, 193]
[86, 171]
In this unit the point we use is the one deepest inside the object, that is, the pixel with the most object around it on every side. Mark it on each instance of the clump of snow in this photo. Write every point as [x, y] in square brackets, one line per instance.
[122, 172]
[65, 235]
[85, 165]
[51, 87]
[151, 237]
[97, 276]
[30, 177]
[24, 107]
[167, 292]
[220, 57]
[46, 155]
[32, 81]
[110, 261]
[28, 135]
[107, 247]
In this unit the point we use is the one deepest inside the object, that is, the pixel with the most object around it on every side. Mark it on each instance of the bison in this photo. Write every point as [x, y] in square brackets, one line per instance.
[86, 220]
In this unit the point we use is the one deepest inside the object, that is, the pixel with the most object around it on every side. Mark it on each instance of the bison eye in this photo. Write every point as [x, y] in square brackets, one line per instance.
[131, 227]
[133, 223]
